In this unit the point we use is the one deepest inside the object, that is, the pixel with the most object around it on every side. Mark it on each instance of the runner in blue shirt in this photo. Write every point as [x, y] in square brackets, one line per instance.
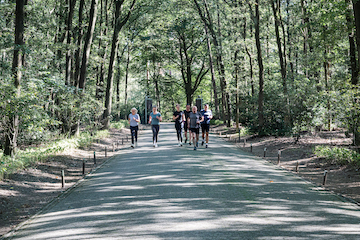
[205, 124]
[155, 119]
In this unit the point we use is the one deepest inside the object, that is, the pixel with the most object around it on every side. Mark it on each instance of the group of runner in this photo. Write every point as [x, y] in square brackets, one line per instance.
[189, 120]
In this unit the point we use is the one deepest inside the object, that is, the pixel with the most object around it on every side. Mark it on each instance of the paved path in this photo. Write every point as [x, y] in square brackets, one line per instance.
[175, 192]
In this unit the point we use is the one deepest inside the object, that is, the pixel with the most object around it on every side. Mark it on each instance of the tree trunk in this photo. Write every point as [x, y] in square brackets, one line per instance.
[237, 102]
[350, 28]
[356, 7]
[221, 68]
[250, 59]
[261, 68]
[211, 63]
[127, 74]
[88, 42]
[225, 93]
[11, 138]
[279, 45]
[114, 48]
[282, 56]
[60, 34]
[68, 41]
[103, 52]
[326, 65]
[79, 45]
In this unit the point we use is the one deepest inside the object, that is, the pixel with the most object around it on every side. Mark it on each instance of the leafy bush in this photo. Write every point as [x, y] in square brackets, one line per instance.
[120, 124]
[216, 122]
[32, 155]
[337, 155]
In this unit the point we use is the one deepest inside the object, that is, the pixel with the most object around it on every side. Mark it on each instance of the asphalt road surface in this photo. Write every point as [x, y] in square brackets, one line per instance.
[173, 192]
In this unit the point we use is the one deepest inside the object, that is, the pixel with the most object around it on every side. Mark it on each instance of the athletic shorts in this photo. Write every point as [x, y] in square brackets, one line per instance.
[195, 130]
[205, 127]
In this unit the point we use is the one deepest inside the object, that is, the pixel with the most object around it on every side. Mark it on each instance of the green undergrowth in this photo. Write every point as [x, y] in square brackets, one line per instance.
[338, 155]
[31, 155]
[120, 124]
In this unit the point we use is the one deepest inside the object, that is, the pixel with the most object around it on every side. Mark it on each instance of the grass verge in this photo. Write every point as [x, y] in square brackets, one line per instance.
[31, 155]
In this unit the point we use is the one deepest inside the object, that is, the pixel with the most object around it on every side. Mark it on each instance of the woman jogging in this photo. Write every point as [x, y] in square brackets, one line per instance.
[178, 117]
[194, 124]
[205, 125]
[155, 119]
[186, 127]
[134, 120]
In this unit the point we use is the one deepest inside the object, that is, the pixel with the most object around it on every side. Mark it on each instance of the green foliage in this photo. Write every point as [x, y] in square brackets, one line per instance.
[216, 122]
[32, 155]
[338, 155]
[120, 124]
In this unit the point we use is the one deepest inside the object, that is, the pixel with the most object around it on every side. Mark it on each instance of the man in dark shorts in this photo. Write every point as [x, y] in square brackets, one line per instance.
[205, 125]
[194, 124]
[186, 116]
[178, 117]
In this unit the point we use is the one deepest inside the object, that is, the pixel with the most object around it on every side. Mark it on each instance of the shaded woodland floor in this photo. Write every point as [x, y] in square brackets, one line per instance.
[28, 191]
[341, 180]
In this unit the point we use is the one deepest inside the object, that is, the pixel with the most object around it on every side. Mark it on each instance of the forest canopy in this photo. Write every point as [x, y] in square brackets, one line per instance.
[277, 67]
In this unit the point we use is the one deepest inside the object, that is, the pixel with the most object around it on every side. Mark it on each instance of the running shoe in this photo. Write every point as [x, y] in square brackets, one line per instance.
[197, 144]
[194, 148]
[190, 143]
[180, 144]
[206, 146]
[202, 143]
[132, 145]
[156, 145]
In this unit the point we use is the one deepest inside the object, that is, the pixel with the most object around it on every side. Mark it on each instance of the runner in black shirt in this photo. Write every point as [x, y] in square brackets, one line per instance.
[186, 128]
[178, 117]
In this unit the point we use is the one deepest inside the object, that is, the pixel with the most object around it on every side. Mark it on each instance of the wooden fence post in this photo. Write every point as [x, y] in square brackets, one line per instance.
[325, 177]
[62, 178]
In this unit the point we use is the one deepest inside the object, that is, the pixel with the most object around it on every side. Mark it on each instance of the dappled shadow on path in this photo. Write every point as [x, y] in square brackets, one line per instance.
[177, 193]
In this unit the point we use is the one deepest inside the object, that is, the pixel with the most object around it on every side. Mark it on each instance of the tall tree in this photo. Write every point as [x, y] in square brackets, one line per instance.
[281, 43]
[119, 23]
[256, 19]
[212, 71]
[88, 42]
[80, 34]
[207, 20]
[189, 52]
[11, 138]
[103, 46]
[69, 21]
[354, 67]
[356, 7]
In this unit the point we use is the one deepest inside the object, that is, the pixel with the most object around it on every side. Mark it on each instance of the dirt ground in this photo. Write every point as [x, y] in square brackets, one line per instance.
[341, 180]
[28, 191]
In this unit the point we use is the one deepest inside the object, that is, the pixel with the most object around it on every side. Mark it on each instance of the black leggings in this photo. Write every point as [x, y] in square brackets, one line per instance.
[134, 133]
[179, 132]
[155, 130]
